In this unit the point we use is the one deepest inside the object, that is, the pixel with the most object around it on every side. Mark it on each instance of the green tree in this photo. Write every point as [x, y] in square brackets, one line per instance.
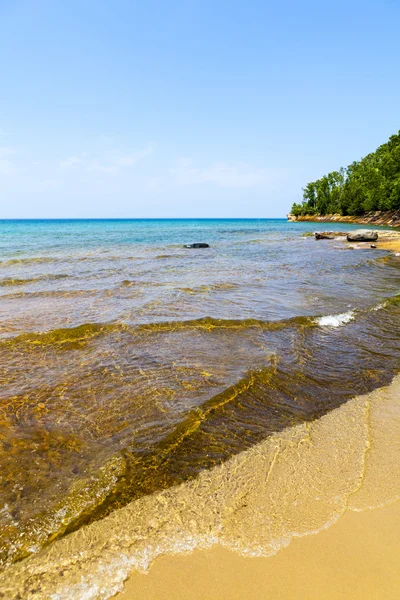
[373, 183]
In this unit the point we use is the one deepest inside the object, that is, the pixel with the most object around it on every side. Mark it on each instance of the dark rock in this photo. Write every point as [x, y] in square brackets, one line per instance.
[362, 235]
[322, 236]
[197, 245]
[373, 245]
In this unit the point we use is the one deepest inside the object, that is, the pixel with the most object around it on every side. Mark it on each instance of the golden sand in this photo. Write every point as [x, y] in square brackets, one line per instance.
[358, 558]
[387, 240]
[294, 509]
[390, 243]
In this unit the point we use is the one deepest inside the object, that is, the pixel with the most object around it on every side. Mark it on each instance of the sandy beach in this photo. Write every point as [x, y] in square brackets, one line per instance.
[356, 558]
[312, 512]
[389, 241]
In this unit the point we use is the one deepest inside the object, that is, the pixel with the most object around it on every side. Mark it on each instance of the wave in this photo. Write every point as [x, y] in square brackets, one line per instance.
[140, 283]
[72, 337]
[9, 281]
[211, 323]
[58, 336]
[96, 258]
[88, 330]
[216, 287]
[51, 294]
[31, 260]
[335, 320]
[308, 371]
[66, 259]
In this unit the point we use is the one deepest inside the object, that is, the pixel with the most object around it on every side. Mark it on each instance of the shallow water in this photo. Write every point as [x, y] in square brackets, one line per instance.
[56, 274]
[130, 365]
[295, 483]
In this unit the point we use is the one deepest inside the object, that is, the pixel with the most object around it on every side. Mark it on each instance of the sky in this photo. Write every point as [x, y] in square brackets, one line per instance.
[188, 108]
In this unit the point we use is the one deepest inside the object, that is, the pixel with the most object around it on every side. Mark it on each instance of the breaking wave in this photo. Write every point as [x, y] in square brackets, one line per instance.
[335, 320]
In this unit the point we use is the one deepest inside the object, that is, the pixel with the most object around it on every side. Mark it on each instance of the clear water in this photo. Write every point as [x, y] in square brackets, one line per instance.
[57, 274]
[130, 364]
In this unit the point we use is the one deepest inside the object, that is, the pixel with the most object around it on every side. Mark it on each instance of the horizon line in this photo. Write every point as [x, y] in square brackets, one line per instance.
[140, 218]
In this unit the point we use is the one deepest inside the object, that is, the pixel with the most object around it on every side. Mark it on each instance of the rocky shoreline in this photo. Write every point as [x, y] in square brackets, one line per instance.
[389, 218]
[385, 240]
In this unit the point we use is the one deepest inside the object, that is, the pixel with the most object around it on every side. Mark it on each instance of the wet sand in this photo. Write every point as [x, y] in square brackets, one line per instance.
[296, 516]
[356, 558]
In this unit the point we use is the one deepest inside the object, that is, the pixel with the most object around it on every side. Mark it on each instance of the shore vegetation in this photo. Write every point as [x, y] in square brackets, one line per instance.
[370, 184]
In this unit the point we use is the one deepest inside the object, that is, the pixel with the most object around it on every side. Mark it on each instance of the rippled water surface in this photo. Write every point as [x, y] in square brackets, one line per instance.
[130, 364]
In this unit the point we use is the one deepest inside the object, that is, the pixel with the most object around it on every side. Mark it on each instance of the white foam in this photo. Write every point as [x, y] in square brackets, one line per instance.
[108, 577]
[380, 306]
[335, 320]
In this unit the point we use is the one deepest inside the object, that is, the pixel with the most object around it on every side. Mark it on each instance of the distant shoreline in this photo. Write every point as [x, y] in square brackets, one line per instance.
[389, 218]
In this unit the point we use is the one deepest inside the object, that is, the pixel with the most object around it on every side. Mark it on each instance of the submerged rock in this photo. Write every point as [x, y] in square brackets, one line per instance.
[197, 245]
[362, 235]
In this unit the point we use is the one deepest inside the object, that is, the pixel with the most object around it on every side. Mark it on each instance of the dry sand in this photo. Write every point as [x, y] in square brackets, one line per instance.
[358, 558]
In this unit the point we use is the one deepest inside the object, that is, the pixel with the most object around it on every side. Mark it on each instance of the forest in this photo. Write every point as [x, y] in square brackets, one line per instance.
[371, 184]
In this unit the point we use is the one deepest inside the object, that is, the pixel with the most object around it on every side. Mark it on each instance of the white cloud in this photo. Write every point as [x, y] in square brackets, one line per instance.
[222, 174]
[128, 160]
[111, 162]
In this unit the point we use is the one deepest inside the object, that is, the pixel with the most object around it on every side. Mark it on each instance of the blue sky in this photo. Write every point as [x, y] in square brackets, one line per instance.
[186, 108]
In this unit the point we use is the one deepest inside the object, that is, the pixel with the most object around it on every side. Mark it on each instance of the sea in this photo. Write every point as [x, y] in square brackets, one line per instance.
[141, 381]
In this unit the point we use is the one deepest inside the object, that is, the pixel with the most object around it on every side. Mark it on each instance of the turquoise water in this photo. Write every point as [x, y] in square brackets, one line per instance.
[26, 236]
[129, 363]
[66, 273]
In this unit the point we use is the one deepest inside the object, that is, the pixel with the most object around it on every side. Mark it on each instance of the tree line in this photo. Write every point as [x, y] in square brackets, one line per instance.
[373, 183]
